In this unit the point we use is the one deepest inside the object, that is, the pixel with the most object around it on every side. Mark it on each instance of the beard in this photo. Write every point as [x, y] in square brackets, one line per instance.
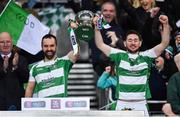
[49, 54]
[134, 51]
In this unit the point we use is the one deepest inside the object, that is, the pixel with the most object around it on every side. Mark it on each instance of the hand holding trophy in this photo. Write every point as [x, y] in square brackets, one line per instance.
[83, 27]
[83, 24]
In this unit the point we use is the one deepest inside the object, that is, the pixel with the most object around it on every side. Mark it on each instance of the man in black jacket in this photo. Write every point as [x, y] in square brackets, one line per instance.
[13, 74]
[111, 36]
[172, 107]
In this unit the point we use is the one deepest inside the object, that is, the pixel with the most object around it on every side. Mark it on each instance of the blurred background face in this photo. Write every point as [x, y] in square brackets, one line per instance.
[159, 62]
[177, 41]
[109, 12]
[167, 55]
[49, 48]
[5, 43]
[146, 4]
[132, 43]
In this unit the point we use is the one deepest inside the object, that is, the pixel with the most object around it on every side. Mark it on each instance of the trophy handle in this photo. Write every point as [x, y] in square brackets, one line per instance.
[74, 41]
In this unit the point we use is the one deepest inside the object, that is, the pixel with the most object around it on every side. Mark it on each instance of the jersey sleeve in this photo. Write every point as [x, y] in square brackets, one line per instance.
[149, 53]
[31, 77]
[115, 54]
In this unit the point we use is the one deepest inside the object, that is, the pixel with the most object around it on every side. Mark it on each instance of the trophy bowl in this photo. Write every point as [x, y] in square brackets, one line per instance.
[85, 30]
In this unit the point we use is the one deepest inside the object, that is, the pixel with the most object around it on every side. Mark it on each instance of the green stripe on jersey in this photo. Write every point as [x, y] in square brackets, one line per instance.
[134, 69]
[125, 72]
[51, 82]
[59, 95]
[131, 88]
[49, 75]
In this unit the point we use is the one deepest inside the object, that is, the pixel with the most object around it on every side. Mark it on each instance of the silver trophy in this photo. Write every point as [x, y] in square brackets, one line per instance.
[85, 30]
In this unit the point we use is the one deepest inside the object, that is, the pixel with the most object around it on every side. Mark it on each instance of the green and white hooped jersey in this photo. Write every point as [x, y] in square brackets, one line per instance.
[133, 71]
[51, 77]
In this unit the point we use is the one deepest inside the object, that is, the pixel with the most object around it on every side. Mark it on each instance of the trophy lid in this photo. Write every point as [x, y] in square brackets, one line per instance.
[84, 15]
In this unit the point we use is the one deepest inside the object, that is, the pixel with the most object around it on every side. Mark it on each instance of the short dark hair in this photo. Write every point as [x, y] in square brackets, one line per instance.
[108, 2]
[133, 32]
[48, 36]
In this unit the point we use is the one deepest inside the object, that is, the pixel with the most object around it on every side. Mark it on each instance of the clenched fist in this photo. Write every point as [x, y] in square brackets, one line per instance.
[163, 19]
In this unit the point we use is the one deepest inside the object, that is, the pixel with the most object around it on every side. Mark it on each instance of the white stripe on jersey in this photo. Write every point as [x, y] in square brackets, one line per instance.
[132, 96]
[132, 80]
[126, 65]
[52, 74]
[51, 91]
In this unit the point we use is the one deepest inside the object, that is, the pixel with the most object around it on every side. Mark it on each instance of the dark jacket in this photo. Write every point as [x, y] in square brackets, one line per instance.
[142, 22]
[99, 60]
[173, 92]
[173, 8]
[157, 84]
[11, 84]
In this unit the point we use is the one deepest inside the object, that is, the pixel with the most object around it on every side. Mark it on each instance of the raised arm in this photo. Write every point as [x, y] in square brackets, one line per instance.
[106, 49]
[106, 80]
[165, 35]
[73, 57]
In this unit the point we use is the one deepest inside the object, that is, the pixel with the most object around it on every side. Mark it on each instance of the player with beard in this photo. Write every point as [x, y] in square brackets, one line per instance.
[50, 75]
[133, 66]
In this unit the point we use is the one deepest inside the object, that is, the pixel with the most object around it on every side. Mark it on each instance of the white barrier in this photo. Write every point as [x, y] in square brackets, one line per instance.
[68, 103]
[63, 107]
[74, 113]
